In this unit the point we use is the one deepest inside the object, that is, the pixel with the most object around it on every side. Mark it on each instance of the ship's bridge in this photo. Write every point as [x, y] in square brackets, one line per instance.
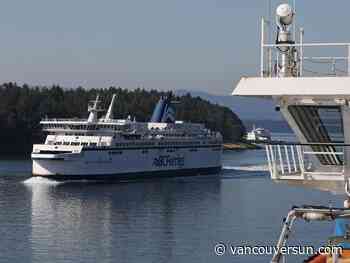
[313, 95]
[318, 111]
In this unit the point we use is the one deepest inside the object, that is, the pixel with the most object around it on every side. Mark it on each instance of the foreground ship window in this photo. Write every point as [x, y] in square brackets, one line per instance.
[321, 124]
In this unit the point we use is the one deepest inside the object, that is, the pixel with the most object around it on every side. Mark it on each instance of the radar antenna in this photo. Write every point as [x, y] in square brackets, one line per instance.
[284, 20]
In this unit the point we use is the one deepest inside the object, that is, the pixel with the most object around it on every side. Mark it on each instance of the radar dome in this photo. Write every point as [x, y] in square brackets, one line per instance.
[285, 14]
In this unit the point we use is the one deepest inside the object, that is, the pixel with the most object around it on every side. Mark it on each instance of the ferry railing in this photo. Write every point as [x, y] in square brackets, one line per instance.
[311, 161]
[122, 121]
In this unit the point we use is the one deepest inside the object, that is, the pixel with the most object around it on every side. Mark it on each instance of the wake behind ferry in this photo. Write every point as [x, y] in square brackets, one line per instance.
[107, 148]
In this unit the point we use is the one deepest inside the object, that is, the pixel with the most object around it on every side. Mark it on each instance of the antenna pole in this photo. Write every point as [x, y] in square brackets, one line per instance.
[295, 23]
[262, 47]
[348, 60]
[270, 22]
[301, 52]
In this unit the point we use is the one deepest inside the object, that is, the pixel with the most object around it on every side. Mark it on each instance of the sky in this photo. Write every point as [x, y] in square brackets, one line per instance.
[202, 45]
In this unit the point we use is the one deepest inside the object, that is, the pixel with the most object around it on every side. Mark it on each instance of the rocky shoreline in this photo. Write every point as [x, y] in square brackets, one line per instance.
[240, 146]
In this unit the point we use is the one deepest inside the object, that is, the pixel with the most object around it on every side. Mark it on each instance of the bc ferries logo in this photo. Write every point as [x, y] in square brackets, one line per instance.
[169, 161]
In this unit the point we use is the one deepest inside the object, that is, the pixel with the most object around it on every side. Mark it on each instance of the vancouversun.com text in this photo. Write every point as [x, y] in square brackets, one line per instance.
[221, 249]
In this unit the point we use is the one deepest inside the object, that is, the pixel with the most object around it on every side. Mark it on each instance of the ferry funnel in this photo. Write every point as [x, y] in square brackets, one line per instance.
[163, 112]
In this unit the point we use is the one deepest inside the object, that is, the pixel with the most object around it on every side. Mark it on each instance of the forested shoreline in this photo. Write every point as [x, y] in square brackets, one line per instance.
[22, 108]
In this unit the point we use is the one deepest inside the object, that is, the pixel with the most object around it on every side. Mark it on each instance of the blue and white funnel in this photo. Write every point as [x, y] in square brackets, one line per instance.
[163, 112]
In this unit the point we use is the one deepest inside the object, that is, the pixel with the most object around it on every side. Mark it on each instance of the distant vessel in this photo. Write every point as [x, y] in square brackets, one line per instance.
[316, 105]
[107, 148]
[258, 135]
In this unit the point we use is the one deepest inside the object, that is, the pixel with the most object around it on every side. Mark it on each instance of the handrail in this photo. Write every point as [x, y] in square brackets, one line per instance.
[308, 45]
[298, 160]
[306, 144]
[83, 120]
[308, 213]
[271, 57]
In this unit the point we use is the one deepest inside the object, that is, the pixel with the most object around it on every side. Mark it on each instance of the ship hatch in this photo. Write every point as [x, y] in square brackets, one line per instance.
[321, 124]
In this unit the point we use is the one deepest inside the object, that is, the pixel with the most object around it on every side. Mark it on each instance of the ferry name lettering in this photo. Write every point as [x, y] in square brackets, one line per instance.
[168, 161]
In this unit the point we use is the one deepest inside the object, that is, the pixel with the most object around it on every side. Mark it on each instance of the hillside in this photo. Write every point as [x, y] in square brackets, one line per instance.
[245, 108]
[252, 111]
[22, 108]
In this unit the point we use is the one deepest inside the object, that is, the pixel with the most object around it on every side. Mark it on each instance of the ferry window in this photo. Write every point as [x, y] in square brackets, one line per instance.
[116, 152]
[93, 143]
[321, 124]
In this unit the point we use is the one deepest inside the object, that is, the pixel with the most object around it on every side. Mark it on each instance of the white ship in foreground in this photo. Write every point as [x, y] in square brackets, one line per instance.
[106, 148]
[316, 105]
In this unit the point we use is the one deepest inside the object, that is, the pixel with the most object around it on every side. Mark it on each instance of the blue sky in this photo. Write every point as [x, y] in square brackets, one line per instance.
[180, 44]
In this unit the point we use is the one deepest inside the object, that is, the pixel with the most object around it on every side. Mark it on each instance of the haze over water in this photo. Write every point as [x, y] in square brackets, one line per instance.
[167, 220]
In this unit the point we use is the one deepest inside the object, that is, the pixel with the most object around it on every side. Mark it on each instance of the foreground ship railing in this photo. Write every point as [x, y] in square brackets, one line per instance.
[307, 66]
[333, 250]
[336, 62]
[311, 161]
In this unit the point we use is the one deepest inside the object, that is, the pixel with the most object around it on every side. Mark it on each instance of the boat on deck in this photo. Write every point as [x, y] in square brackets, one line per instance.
[316, 106]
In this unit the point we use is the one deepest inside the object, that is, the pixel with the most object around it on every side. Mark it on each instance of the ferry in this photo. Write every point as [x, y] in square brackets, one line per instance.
[258, 135]
[311, 90]
[102, 148]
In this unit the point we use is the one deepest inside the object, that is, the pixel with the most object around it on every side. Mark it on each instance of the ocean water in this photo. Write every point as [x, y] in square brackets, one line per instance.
[166, 220]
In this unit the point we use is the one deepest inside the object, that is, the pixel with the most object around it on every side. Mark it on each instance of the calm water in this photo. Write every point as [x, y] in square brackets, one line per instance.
[168, 220]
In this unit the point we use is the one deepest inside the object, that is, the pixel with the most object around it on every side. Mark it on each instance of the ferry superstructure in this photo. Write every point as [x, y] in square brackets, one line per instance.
[316, 106]
[106, 148]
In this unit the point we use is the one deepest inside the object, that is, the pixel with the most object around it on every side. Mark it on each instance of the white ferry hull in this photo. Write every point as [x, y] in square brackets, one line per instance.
[128, 163]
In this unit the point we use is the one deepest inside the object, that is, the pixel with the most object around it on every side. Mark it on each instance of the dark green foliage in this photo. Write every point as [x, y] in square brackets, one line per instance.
[22, 108]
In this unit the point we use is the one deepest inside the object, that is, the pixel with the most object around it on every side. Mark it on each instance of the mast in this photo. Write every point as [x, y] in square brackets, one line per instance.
[94, 110]
[109, 114]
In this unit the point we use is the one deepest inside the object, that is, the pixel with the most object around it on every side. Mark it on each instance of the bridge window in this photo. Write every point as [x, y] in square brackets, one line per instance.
[323, 125]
